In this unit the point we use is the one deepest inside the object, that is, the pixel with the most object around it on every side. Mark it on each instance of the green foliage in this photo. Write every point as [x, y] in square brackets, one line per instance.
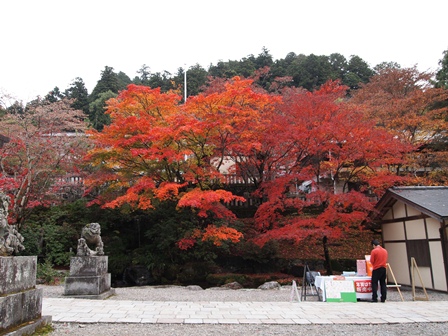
[149, 239]
[161, 80]
[44, 331]
[338, 65]
[260, 255]
[109, 81]
[97, 117]
[79, 93]
[194, 273]
[54, 95]
[264, 59]
[164, 227]
[107, 87]
[359, 69]
[442, 73]
[47, 234]
[120, 258]
[144, 73]
[247, 257]
[341, 265]
[123, 81]
[313, 72]
[47, 274]
[308, 72]
[52, 233]
[196, 79]
[33, 240]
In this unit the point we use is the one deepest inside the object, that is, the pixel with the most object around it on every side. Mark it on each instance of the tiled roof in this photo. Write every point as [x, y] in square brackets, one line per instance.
[430, 200]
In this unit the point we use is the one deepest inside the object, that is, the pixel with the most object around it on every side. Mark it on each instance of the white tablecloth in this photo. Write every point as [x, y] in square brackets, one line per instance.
[363, 285]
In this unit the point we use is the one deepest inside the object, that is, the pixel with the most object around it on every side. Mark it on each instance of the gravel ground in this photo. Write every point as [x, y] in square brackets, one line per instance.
[176, 293]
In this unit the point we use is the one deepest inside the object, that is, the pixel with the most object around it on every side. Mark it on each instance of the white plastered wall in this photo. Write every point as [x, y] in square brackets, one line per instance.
[433, 226]
[411, 211]
[393, 231]
[415, 229]
[438, 268]
[425, 274]
[397, 258]
[399, 210]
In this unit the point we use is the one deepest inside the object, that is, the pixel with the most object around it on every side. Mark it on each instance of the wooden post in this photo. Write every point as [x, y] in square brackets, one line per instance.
[327, 256]
[397, 286]
[413, 268]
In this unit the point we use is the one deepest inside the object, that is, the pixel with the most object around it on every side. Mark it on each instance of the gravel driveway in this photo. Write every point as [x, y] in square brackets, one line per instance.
[177, 293]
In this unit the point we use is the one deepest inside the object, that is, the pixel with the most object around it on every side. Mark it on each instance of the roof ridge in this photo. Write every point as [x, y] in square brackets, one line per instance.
[419, 187]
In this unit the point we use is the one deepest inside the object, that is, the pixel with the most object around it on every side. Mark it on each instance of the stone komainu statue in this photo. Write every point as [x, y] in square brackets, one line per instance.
[10, 239]
[90, 235]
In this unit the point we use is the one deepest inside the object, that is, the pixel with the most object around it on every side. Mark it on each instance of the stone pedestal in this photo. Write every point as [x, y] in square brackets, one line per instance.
[88, 278]
[20, 301]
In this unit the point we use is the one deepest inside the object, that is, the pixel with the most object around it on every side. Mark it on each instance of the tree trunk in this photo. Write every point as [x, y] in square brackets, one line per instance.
[327, 256]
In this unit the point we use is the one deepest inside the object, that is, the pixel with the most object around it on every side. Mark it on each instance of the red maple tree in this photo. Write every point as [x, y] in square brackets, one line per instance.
[156, 150]
[317, 139]
[47, 143]
[405, 102]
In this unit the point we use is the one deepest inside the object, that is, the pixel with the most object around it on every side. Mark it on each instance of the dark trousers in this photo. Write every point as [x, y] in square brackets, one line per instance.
[379, 275]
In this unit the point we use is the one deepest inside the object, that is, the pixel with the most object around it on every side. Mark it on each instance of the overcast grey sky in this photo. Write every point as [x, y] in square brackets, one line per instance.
[48, 43]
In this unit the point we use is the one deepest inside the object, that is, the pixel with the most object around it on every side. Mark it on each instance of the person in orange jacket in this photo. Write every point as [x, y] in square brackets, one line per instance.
[378, 259]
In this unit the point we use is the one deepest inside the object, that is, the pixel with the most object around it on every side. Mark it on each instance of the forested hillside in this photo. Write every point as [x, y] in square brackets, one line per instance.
[295, 70]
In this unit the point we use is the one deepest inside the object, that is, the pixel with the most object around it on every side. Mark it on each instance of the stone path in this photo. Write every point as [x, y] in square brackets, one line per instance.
[121, 311]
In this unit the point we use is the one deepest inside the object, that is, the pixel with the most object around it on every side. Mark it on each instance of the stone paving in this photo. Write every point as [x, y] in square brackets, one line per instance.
[122, 311]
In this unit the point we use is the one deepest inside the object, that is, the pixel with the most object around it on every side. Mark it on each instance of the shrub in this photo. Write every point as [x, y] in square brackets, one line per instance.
[46, 274]
[194, 273]
[340, 265]
[48, 236]
[44, 331]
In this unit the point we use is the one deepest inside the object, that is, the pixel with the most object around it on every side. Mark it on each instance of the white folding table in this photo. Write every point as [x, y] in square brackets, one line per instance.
[363, 285]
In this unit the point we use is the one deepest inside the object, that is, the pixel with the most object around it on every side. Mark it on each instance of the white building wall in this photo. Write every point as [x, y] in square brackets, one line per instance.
[411, 211]
[399, 210]
[398, 262]
[425, 274]
[433, 226]
[415, 229]
[393, 231]
[438, 267]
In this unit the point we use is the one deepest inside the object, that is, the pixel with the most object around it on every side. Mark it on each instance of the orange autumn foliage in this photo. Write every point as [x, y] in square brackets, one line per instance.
[156, 150]
[208, 200]
[219, 234]
[405, 102]
[213, 234]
